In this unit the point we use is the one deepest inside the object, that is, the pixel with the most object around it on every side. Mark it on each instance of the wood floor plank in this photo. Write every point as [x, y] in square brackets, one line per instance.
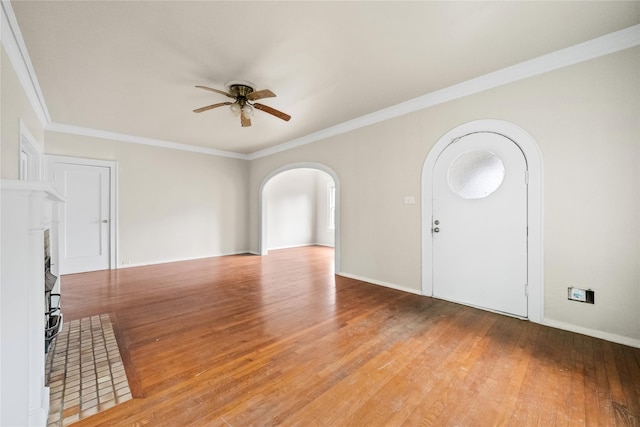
[395, 399]
[577, 392]
[496, 375]
[518, 362]
[451, 386]
[279, 340]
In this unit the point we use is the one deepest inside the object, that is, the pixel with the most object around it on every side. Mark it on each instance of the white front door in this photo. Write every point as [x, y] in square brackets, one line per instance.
[479, 224]
[85, 217]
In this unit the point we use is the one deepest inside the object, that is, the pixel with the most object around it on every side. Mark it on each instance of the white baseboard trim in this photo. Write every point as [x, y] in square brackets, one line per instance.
[38, 416]
[380, 283]
[302, 245]
[324, 244]
[592, 333]
[167, 261]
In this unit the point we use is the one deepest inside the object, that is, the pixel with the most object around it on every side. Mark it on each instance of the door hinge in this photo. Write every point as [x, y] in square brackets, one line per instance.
[526, 177]
[526, 289]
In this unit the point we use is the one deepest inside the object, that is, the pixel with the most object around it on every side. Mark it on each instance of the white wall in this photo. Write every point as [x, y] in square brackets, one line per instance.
[173, 205]
[324, 235]
[585, 120]
[296, 209]
[290, 202]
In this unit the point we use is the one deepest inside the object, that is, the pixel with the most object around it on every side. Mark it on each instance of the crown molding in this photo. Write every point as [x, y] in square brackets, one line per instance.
[595, 48]
[114, 136]
[15, 47]
[13, 43]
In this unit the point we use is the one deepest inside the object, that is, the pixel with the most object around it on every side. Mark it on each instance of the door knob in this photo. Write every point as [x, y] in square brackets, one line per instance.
[436, 222]
[104, 221]
[436, 230]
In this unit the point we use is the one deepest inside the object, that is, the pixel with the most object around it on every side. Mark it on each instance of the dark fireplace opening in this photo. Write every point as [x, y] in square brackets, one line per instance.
[53, 315]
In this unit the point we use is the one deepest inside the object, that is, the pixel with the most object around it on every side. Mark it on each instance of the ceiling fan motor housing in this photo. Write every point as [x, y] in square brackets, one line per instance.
[240, 90]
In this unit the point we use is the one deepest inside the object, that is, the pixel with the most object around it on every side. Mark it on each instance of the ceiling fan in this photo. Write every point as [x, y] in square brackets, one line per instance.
[244, 96]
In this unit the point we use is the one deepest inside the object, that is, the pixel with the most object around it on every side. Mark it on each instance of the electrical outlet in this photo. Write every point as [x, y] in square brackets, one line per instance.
[577, 294]
[581, 295]
[125, 262]
[409, 200]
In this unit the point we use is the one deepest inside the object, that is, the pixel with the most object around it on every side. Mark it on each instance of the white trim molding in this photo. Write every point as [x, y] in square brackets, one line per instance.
[113, 196]
[34, 168]
[114, 136]
[379, 283]
[531, 151]
[170, 260]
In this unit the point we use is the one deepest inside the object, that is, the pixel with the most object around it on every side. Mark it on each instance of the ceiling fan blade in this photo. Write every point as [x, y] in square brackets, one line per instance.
[211, 107]
[221, 92]
[272, 111]
[264, 93]
[245, 121]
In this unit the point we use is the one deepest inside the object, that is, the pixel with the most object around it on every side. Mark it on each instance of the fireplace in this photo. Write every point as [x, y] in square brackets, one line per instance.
[28, 209]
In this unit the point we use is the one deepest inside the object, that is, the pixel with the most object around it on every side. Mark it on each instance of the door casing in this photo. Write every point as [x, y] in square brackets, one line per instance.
[533, 157]
[113, 194]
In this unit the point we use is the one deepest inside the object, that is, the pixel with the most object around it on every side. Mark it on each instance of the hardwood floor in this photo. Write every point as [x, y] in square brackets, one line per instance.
[280, 340]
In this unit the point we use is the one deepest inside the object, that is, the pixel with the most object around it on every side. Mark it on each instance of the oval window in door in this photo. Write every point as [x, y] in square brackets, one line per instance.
[475, 174]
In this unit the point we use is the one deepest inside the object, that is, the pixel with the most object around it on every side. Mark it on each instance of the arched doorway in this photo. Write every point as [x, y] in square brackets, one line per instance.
[263, 244]
[528, 146]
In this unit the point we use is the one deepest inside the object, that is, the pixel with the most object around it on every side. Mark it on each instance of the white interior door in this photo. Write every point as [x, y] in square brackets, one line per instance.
[85, 217]
[480, 224]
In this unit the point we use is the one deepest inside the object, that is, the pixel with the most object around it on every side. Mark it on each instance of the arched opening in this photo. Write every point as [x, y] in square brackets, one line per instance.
[533, 157]
[274, 188]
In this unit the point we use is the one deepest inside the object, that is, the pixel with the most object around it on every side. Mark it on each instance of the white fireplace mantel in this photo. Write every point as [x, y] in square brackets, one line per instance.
[27, 210]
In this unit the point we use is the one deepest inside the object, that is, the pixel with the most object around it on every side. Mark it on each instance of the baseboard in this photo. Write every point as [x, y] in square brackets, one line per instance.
[250, 252]
[144, 264]
[592, 333]
[380, 283]
[303, 245]
[38, 416]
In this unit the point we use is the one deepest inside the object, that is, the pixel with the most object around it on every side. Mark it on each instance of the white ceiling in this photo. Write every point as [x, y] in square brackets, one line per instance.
[131, 67]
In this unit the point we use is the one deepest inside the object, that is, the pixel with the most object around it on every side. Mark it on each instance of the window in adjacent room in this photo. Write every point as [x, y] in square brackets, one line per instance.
[332, 205]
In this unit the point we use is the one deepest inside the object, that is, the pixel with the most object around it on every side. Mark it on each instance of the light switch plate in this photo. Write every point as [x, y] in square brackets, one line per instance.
[409, 200]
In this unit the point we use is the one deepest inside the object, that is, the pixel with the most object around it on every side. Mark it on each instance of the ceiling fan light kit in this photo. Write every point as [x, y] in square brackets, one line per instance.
[236, 109]
[244, 94]
[247, 111]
